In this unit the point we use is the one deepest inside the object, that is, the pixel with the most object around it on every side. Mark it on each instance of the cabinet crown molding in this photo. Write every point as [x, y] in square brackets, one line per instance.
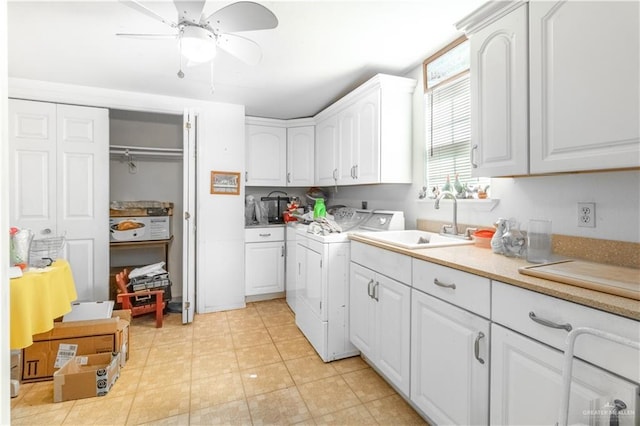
[382, 81]
[277, 122]
[487, 14]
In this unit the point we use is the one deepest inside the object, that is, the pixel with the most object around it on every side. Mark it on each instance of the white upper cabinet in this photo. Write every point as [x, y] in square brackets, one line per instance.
[575, 106]
[266, 155]
[59, 163]
[279, 152]
[365, 137]
[499, 119]
[326, 169]
[300, 155]
[585, 89]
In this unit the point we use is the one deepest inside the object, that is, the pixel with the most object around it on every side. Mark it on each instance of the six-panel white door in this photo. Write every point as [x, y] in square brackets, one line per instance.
[60, 173]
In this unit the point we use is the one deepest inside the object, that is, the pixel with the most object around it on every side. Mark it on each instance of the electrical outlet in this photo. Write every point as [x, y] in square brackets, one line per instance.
[587, 215]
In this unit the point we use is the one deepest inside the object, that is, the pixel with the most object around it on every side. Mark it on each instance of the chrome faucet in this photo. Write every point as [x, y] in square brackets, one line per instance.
[453, 228]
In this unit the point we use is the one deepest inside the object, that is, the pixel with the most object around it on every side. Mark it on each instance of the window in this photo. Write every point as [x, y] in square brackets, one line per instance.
[448, 122]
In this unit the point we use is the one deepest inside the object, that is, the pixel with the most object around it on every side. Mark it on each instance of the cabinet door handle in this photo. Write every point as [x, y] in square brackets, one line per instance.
[246, 176]
[265, 235]
[335, 174]
[375, 291]
[355, 171]
[548, 323]
[472, 156]
[288, 177]
[614, 418]
[282, 253]
[445, 285]
[476, 347]
[369, 291]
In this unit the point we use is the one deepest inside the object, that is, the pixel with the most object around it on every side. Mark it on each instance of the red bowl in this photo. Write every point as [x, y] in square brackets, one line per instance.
[482, 237]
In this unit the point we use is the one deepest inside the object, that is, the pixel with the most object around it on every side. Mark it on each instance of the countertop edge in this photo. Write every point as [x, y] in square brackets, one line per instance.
[501, 268]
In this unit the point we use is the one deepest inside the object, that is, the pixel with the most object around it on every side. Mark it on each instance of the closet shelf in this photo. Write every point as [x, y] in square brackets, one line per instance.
[139, 152]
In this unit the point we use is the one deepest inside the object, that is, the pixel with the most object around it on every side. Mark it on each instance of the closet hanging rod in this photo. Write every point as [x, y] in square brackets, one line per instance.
[143, 149]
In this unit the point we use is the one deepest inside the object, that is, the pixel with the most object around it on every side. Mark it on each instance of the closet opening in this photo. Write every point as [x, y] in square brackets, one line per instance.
[146, 171]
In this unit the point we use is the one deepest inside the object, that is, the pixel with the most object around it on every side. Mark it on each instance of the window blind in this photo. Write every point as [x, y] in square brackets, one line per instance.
[448, 133]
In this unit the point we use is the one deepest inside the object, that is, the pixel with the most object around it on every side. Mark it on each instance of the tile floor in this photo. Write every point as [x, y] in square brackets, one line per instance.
[247, 366]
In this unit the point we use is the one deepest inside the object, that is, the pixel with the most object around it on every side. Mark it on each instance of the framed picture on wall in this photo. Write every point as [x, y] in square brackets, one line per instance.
[226, 183]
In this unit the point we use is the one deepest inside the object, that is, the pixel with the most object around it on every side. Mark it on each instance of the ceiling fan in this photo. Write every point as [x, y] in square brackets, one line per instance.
[200, 36]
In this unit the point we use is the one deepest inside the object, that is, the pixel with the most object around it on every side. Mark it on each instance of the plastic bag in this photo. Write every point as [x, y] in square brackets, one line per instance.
[19, 246]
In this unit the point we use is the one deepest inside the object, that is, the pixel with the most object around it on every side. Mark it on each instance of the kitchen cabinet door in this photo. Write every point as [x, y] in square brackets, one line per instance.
[380, 322]
[326, 169]
[393, 325]
[499, 97]
[266, 156]
[449, 362]
[264, 268]
[300, 156]
[366, 146]
[347, 122]
[526, 385]
[59, 163]
[362, 309]
[585, 90]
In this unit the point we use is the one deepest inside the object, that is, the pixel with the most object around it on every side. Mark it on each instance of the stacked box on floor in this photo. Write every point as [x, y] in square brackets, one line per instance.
[155, 282]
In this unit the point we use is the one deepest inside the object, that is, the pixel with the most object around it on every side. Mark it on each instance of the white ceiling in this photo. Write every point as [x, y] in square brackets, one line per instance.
[320, 50]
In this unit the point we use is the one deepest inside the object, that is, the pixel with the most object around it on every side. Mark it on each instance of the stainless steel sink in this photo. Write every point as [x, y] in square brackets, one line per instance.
[413, 239]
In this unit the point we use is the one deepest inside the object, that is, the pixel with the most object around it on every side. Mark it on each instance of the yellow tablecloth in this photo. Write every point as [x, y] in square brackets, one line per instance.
[37, 298]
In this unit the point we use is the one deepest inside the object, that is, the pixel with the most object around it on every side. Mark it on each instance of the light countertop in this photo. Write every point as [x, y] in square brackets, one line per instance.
[485, 263]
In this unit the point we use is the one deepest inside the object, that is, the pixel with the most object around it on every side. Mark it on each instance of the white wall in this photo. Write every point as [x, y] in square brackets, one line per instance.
[616, 194]
[220, 223]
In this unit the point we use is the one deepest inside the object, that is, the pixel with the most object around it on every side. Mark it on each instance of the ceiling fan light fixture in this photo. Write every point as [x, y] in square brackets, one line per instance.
[197, 44]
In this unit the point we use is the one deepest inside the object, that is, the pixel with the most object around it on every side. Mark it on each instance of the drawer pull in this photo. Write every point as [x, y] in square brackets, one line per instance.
[265, 235]
[441, 284]
[548, 323]
[476, 347]
[369, 291]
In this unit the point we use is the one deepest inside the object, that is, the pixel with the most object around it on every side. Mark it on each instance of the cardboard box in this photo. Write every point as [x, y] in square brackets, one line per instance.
[86, 376]
[52, 349]
[82, 311]
[123, 314]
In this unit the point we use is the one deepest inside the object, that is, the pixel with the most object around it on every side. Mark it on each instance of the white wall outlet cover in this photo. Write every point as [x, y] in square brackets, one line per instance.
[587, 215]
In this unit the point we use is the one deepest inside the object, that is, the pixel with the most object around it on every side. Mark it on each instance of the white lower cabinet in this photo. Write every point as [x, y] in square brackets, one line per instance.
[526, 385]
[449, 362]
[264, 261]
[379, 311]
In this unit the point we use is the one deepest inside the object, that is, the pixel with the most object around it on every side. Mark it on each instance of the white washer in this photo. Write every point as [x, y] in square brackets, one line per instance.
[322, 279]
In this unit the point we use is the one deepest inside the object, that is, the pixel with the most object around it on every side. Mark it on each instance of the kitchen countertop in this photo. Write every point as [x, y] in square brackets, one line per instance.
[485, 263]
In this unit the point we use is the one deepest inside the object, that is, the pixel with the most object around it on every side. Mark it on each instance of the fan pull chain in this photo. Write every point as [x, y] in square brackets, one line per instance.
[180, 73]
[213, 89]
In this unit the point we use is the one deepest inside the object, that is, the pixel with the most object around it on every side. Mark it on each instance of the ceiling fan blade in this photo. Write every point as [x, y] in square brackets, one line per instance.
[189, 10]
[148, 36]
[241, 16]
[146, 11]
[242, 48]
